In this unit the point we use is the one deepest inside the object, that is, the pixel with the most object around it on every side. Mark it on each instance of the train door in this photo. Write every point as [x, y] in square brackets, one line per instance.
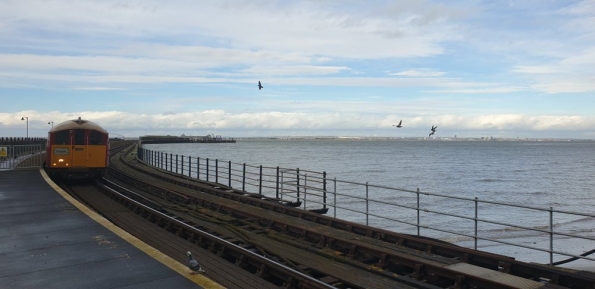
[79, 147]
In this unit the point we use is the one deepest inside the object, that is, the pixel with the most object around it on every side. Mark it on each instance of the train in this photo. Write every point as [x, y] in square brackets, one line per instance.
[77, 149]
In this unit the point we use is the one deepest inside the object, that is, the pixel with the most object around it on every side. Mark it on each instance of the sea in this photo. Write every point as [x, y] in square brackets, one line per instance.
[557, 174]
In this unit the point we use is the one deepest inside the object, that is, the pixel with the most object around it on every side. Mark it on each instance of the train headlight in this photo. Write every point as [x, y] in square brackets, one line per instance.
[60, 160]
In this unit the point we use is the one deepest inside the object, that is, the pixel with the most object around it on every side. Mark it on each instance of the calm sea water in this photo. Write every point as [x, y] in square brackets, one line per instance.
[544, 174]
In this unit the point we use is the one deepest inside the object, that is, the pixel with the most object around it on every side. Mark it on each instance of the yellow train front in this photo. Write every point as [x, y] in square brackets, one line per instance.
[77, 149]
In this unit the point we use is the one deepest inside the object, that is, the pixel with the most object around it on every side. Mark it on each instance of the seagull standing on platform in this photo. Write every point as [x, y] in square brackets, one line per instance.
[259, 86]
[399, 125]
[193, 264]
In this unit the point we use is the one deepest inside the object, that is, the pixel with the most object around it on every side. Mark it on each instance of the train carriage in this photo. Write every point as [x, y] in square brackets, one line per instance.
[77, 149]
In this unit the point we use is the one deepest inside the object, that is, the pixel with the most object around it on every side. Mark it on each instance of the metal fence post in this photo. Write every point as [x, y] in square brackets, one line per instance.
[190, 167]
[182, 172]
[207, 169]
[367, 205]
[171, 162]
[244, 178]
[418, 211]
[305, 188]
[476, 215]
[324, 190]
[176, 163]
[297, 177]
[229, 173]
[335, 197]
[260, 182]
[197, 167]
[216, 170]
[551, 236]
[277, 184]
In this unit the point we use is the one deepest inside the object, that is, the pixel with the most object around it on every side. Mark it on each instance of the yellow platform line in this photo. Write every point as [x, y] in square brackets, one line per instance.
[154, 253]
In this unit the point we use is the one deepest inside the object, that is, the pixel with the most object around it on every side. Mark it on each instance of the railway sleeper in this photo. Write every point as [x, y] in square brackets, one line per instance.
[448, 251]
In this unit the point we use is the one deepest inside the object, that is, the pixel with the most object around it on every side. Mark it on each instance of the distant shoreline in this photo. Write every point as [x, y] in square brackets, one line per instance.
[412, 138]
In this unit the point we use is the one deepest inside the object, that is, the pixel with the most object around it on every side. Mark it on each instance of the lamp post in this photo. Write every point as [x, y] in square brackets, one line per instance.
[23, 118]
[51, 123]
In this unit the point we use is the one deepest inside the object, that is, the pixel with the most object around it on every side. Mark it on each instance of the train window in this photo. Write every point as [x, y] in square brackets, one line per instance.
[95, 138]
[79, 137]
[62, 137]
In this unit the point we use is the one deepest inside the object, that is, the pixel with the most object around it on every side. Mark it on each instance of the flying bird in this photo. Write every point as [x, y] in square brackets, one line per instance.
[399, 125]
[193, 264]
[433, 129]
[259, 86]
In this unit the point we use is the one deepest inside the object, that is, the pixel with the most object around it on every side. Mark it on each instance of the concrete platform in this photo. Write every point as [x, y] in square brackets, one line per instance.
[48, 240]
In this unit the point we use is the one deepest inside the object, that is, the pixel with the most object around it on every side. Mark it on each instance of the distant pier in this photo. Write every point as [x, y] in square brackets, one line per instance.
[161, 139]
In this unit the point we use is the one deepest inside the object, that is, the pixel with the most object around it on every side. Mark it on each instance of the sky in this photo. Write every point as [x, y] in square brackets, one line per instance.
[509, 69]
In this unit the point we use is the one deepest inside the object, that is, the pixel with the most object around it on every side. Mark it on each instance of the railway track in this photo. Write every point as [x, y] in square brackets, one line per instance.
[325, 251]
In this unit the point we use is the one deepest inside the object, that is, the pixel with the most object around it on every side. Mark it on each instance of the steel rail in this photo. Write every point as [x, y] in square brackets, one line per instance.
[486, 260]
[293, 277]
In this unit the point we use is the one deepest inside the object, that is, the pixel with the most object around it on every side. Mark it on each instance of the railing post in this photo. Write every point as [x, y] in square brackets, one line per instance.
[171, 162]
[476, 218]
[297, 177]
[335, 196]
[324, 190]
[277, 184]
[305, 188]
[229, 174]
[216, 170]
[367, 205]
[260, 182]
[161, 160]
[418, 211]
[244, 178]
[282, 182]
[190, 167]
[207, 169]
[182, 172]
[551, 236]
[198, 167]
[176, 163]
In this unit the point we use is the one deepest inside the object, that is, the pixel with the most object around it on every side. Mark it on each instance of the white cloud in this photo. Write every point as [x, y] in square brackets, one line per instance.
[295, 70]
[222, 121]
[418, 73]
[534, 69]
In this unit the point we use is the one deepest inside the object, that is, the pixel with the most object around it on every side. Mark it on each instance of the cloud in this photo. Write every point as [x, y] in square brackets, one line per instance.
[534, 69]
[239, 124]
[295, 70]
[418, 73]
[97, 88]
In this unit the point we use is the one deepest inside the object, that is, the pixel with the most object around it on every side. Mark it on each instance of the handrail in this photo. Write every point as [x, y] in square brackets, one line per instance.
[315, 188]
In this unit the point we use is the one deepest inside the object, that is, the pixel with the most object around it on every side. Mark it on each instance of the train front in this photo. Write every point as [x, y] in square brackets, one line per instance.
[77, 149]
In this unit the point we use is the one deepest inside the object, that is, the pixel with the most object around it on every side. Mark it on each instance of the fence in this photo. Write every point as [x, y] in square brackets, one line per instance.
[288, 185]
[21, 156]
[470, 222]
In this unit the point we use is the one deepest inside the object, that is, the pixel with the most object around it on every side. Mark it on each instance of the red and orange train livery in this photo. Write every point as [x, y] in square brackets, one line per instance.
[77, 149]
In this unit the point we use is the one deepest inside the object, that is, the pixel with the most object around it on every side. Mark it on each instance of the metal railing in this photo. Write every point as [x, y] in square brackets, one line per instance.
[289, 185]
[21, 156]
[471, 222]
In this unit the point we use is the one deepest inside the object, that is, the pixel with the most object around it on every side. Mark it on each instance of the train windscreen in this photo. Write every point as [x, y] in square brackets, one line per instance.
[79, 137]
[95, 138]
[61, 138]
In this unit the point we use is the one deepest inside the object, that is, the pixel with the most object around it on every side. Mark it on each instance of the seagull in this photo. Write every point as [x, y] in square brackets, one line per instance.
[193, 264]
[399, 125]
[433, 130]
[259, 86]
